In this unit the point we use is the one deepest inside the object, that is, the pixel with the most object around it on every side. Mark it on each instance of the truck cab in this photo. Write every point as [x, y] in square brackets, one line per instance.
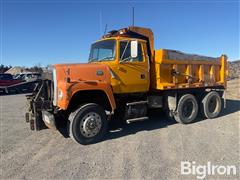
[127, 60]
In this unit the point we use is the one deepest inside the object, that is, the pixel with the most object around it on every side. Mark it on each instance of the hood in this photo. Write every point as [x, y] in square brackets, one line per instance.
[83, 72]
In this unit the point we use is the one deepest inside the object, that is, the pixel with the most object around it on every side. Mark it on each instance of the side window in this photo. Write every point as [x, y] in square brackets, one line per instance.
[125, 52]
[140, 53]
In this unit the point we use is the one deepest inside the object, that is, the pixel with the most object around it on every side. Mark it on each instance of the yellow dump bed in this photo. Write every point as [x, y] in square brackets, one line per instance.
[175, 70]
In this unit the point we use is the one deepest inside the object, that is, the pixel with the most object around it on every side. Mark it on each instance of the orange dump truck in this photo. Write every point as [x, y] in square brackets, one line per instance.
[123, 79]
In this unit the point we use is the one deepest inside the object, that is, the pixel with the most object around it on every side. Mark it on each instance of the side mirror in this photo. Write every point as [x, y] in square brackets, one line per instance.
[134, 49]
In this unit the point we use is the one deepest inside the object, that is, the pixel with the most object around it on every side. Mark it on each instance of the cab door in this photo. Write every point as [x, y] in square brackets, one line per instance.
[132, 73]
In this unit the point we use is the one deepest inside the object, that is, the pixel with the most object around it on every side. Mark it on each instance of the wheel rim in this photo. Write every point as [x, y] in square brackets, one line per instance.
[187, 110]
[213, 105]
[91, 124]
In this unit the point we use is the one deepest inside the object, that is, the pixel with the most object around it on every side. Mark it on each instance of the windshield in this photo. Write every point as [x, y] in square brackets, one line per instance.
[102, 51]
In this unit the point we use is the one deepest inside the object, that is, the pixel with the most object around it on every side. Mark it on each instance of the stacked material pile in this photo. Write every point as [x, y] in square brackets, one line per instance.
[178, 55]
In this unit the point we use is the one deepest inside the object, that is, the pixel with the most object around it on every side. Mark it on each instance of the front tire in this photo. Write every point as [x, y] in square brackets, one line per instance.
[88, 124]
[187, 109]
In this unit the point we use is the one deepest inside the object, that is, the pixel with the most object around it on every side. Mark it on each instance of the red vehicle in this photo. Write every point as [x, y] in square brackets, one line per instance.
[7, 80]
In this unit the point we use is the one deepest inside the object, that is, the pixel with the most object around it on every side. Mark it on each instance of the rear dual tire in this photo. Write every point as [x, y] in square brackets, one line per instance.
[187, 109]
[211, 105]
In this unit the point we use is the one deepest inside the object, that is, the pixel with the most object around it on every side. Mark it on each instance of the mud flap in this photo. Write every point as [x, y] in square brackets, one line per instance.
[172, 104]
[224, 99]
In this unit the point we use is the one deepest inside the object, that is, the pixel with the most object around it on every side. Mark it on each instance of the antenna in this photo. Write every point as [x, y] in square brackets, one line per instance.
[105, 31]
[132, 16]
[100, 22]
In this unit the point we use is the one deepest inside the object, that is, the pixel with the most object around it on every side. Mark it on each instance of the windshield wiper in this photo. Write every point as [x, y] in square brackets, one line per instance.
[126, 59]
[100, 60]
[93, 60]
[105, 58]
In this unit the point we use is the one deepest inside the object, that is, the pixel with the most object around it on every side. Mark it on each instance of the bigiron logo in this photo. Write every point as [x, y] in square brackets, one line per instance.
[201, 171]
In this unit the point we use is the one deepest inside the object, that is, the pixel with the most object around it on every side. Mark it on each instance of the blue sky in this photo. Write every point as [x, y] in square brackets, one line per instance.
[48, 32]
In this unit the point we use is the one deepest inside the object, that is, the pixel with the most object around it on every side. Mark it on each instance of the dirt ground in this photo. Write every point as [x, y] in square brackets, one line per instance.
[151, 149]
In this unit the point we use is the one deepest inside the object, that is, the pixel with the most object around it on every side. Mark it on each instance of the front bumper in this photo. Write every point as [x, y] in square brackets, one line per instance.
[40, 107]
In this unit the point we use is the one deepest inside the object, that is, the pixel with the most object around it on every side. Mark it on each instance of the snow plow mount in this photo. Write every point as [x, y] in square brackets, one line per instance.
[40, 107]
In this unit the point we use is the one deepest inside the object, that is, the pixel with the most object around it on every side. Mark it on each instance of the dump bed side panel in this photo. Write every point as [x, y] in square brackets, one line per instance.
[187, 71]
